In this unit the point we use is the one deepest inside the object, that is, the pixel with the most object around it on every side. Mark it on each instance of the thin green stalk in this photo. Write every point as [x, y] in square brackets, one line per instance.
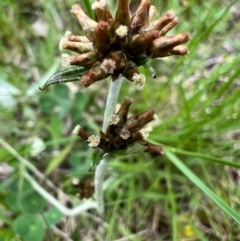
[111, 101]
[102, 167]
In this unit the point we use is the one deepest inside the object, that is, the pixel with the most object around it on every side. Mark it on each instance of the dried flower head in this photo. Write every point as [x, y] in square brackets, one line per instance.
[119, 45]
[123, 132]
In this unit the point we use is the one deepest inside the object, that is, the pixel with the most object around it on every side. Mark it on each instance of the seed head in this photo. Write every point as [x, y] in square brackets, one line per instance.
[123, 132]
[119, 45]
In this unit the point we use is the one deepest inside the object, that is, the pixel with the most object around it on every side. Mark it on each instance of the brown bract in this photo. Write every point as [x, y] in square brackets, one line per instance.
[119, 45]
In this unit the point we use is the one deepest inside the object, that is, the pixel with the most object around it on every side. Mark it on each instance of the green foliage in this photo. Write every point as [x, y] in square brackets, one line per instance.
[30, 227]
[32, 202]
[177, 196]
[69, 75]
[52, 216]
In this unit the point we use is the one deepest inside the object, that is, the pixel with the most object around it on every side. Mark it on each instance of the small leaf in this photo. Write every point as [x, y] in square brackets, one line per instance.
[142, 60]
[61, 91]
[15, 191]
[13, 201]
[52, 216]
[47, 103]
[32, 202]
[69, 75]
[78, 105]
[55, 127]
[30, 227]
[96, 157]
[136, 148]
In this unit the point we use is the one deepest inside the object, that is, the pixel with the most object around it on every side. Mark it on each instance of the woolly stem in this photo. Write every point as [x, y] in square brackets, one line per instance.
[111, 101]
[102, 167]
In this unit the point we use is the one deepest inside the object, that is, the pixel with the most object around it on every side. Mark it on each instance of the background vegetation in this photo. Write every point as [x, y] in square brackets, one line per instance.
[147, 197]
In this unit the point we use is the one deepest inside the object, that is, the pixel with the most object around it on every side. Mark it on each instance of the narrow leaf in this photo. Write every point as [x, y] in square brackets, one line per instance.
[69, 75]
[192, 177]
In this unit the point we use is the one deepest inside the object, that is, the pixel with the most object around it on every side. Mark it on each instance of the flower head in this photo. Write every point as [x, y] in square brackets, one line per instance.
[119, 45]
[123, 132]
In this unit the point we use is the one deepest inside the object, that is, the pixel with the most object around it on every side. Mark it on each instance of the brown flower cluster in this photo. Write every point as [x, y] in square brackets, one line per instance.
[123, 132]
[114, 46]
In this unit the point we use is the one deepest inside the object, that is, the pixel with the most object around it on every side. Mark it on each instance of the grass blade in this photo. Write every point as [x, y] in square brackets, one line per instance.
[188, 173]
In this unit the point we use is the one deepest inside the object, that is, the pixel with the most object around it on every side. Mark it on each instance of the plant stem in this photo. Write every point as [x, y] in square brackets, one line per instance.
[111, 101]
[102, 167]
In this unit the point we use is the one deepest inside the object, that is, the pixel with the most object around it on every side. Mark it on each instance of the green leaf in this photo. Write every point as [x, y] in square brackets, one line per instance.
[142, 60]
[64, 107]
[56, 127]
[15, 191]
[8, 235]
[136, 148]
[133, 149]
[192, 177]
[30, 227]
[78, 161]
[61, 91]
[13, 201]
[52, 216]
[203, 157]
[96, 157]
[79, 104]
[69, 75]
[32, 202]
[47, 103]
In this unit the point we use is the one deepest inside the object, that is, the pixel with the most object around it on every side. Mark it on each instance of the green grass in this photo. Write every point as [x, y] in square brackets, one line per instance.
[191, 192]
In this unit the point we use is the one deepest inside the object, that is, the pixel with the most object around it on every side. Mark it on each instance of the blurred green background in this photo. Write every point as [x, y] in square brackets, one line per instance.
[147, 197]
